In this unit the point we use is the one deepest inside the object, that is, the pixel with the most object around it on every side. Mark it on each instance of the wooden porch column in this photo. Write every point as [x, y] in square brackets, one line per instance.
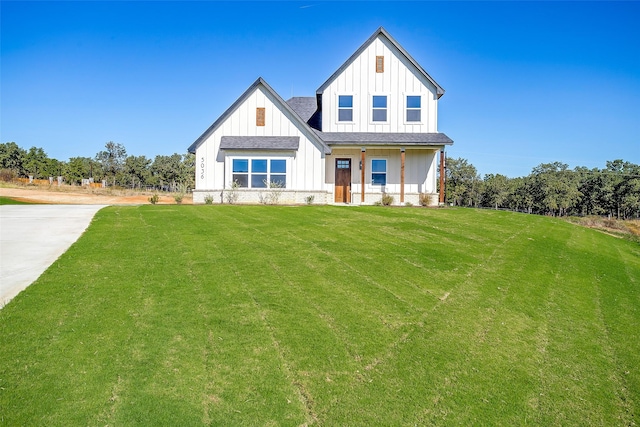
[362, 163]
[402, 175]
[441, 199]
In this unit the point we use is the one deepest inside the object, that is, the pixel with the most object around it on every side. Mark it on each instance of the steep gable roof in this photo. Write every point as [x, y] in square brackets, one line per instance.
[260, 82]
[374, 36]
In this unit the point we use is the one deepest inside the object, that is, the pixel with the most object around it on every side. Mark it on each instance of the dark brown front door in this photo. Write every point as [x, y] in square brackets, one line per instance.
[343, 181]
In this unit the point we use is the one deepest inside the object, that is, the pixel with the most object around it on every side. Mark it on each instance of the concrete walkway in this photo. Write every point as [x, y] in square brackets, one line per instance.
[32, 237]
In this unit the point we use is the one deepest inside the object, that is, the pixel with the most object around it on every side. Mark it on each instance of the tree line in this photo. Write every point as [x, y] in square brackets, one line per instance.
[111, 165]
[550, 189]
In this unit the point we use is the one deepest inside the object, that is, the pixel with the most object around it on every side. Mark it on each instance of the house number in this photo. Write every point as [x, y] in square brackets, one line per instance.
[202, 168]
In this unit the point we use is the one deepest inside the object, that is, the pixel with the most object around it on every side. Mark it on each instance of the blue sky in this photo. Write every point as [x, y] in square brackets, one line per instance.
[526, 82]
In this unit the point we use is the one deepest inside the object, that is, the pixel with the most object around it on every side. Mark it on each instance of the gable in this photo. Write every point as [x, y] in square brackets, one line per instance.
[260, 112]
[383, 36]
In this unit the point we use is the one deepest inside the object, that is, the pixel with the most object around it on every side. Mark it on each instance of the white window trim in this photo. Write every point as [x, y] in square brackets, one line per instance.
[370, 111]
[405, 109]
[386, 173]
[268, 158]
[353, 107]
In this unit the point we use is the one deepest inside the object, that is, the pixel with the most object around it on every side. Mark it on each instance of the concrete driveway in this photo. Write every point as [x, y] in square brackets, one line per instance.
[32, 237]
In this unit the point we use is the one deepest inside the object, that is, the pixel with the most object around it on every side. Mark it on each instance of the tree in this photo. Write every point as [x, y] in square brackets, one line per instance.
[624, 188]
[137, 170]
[77, 169]
[555, 188]
[496, 190]
[112, 159]
[174, 169]
[463, 183]
[12, 158]
[35, 162]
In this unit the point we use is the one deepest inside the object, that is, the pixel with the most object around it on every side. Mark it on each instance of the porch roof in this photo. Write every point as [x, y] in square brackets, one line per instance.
[287, 143]
[375, 138]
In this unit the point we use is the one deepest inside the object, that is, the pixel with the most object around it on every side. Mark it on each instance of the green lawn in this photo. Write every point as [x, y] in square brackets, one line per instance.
[11, 201]
[363, 316]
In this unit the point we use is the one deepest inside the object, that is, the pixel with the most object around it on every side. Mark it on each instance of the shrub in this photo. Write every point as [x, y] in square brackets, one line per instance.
[386, 200]
[309, 199]
[7, 175]
[208, 199]
[182, 189]
[424, 199]
[231, 195]
[154, 199]
[271, 196]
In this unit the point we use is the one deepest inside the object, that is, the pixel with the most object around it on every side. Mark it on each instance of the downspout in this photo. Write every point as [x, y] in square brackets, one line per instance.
[402, 175]
[442, 183]
[362, 163]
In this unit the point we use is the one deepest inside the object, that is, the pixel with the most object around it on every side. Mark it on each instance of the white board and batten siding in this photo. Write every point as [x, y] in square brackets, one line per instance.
[398, 80]
[305, 167]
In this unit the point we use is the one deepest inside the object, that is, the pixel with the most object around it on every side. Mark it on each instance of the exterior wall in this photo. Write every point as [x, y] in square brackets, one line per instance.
[398, 80]
[305, 167]
[420, 174]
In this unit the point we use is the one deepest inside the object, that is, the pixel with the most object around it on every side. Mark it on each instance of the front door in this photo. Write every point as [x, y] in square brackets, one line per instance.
[343, 181]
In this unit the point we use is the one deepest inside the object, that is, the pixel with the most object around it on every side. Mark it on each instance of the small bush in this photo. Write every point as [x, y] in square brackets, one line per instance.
[208, 199]
[424, 199]
[232, 193]
[154, 199]
[182, 189]
[7, 175]
[271, 196]
[386, 200]
[309, 199]
[408, 204]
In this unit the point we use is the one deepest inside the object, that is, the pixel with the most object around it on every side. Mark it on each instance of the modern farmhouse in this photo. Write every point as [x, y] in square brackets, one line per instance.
[371, 129]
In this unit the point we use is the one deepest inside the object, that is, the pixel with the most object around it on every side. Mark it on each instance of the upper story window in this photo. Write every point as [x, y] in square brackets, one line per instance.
[260, 116]
[414, 111]
[345, 108]
[379, 104]
[378, 171]
[379, 64]
[258, 173]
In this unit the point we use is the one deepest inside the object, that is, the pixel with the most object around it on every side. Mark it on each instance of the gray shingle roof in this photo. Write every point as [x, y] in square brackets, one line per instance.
[287, 143]
[304, 106]
[370, 138]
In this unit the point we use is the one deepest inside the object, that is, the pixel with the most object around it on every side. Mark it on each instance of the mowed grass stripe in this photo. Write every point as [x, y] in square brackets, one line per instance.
[262, 315]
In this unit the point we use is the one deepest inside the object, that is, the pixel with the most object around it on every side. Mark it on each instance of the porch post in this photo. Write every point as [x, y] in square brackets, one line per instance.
[362, 163]
[441, 199]
[402, 175]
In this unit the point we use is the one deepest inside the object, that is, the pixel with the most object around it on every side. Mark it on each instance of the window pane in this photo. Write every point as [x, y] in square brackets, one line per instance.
[413, 102]
[379, 102]
[242, 180]
[278, 166]
[378, 165]
[281, 180]
[345, 101]
[413, 115]
[240, 165]
[379, 115]
[343, 164]
[345, 115]
[258, 180]
[379, 178]
[259, 165]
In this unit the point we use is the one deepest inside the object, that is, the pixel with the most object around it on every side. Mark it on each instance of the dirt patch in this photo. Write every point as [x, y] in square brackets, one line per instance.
[82, 196]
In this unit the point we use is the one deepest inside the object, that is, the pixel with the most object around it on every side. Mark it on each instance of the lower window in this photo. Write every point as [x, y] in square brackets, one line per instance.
[379, 172]
[259, 173]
